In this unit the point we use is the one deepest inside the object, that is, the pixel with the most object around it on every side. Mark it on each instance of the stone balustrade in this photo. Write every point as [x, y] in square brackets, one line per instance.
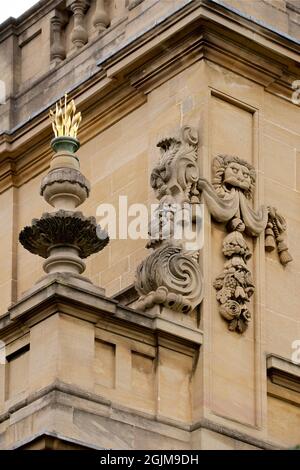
[51, 34]
[83, 21]
[57, 41]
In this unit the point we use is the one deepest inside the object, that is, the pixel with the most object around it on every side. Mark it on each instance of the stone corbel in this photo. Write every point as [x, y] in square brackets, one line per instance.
[101, 18]
[57, 46]
[79, 34]
[170, 276]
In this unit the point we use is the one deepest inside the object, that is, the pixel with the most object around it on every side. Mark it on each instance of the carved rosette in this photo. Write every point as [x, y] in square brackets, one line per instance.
[171, 275]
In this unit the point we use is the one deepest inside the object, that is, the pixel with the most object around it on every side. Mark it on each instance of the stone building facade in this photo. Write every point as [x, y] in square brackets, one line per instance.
[164, 348]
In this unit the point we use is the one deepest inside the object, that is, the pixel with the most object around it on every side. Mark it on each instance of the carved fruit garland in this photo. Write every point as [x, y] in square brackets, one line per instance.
[227, 199]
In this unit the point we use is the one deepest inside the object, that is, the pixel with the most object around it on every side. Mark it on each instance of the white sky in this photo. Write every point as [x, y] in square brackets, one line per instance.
[14, 8]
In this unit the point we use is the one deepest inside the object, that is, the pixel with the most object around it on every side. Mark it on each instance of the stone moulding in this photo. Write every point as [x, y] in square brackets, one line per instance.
[63, 175]
[171, 275]
[62, 181]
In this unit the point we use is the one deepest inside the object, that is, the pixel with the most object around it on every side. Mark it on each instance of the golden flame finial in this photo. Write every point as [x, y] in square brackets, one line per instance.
[65, 121]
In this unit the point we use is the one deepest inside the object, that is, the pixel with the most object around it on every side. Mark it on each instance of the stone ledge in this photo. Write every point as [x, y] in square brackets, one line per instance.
[283, 372]
[67, 399]
[52, 441]
[77, 406]
[237, 435]
[78, 298]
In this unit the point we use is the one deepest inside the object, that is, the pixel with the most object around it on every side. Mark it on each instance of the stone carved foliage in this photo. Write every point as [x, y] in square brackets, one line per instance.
[171, 275]
[229, 201]
[174, 180]
[177, 173]
[64, 228]
[235, 285]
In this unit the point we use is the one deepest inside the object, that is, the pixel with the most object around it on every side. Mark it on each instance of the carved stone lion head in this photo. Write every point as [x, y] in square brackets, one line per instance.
[233, 172]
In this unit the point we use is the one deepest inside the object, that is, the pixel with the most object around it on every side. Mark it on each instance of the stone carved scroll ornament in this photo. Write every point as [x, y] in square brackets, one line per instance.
[170, 276]
[228, 199]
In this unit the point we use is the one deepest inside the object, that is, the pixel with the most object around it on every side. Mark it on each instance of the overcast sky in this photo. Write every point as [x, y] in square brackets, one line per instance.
[14, 8]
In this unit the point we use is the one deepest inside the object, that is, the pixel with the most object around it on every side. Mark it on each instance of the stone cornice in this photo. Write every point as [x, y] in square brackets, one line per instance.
[283, 372]
[28, 18]
[196, 30]
[60, 393]
[234, 434]
[83, 300]
[27, 153]
[253, 24]
[212, 17]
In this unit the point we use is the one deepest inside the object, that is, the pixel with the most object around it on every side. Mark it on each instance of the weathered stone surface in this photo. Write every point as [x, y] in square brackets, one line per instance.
[228, 199]
[64, 228]
[65, 175]
[158, 67]
[171, 275]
